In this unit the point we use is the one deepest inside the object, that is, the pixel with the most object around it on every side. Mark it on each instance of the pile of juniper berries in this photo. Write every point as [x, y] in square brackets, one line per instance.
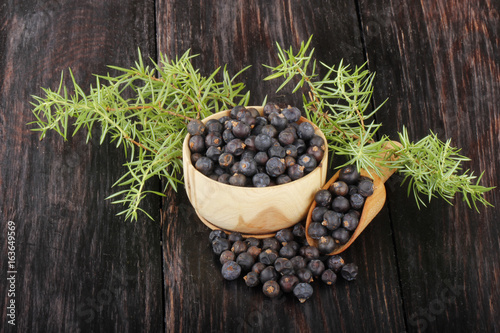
[338, 209]
[247, 149]
[284, 263]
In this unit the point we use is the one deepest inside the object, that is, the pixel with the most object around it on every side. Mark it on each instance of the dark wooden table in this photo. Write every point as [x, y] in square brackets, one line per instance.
[80, 268]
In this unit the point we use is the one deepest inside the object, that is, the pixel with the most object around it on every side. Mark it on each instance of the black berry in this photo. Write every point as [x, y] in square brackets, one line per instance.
[323, 198]
[196, 127]
[231, 270]
[251, 279]
[349, 272]
[271, 289]
[288, 282]
[303, 291]
[227, 256]
[329, 277]
[335, 263]
[349, 175]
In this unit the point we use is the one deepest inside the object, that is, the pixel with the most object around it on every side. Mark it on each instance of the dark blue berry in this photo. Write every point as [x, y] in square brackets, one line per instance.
[286, 137]
[251, 279]
[268, 274]
[350, 221]
[304, 274]
[227, 256]
[220, 245]
[287, 251]
[299, 231]
[248, 167]
[332, 220]
[318, 213]
[196, 144]
[213, 153]
[326, 244]
[298, 262]
[270, 131]
[258, 267]
[335, 263]
[316, 152]
[231, 270]
[239, 246]
[349, 175]
[196, 127]
[268, 257]
[226, 160]
[349, 272]
[217, 233]
[283, 266]
[310, 252]
[254, 251]
[235, 147]
[235, 236]
[305, 131]
[341, 204]
[317, 141]
[238, 180]
[341, 235]
[271, 243]
[365, 188]
[329, 277]
[228, 135]
[284, 235]
[316, 267]
[303, 291]
[245, 260]
[316, 230]
[296, 171]
[214, 125]
[275, 166]
[339, 188]
[292, 114]
[357, 201]
[214, 139]
[271, 289]
[278, 120]
[270, 108]
[261, 180]
[252, 241]
[288, 282]
[283, 179]
[308, 162]
[323, 198]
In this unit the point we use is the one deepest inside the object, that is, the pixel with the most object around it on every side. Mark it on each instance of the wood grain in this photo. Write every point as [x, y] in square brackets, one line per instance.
[438, 63]
[196, 297]
[80, 268]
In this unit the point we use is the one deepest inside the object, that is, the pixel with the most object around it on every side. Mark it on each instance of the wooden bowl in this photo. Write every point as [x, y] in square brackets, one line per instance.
[371, 208]
[253, 211]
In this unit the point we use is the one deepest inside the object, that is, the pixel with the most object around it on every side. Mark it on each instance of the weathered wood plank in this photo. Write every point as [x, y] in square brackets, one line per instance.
[196, 297]
[438, 63]
[79, 267]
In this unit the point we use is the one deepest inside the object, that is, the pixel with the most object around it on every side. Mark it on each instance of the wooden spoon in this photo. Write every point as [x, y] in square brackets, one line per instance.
[371, 208]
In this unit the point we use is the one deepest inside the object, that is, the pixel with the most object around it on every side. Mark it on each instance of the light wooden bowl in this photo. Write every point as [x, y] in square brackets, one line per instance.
[256, 212]
[371, 208]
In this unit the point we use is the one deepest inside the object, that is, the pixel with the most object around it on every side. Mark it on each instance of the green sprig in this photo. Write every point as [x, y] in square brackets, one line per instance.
[339, 103]
[143, 109]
